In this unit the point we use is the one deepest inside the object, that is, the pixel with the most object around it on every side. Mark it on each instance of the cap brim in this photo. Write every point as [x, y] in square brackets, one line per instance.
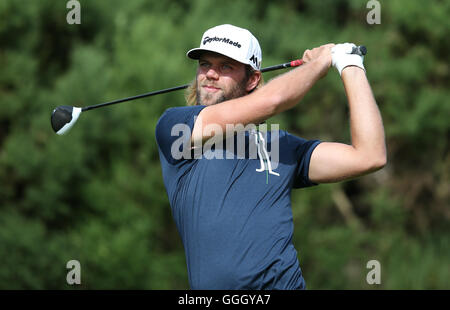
[195, 53]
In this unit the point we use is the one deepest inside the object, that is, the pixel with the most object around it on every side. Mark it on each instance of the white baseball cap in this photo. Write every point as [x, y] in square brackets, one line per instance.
[231, 41]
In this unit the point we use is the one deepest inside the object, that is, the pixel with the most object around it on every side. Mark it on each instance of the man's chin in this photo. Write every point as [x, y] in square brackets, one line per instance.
[211, 101]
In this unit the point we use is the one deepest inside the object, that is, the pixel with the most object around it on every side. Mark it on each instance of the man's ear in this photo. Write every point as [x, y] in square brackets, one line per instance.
[253, 81]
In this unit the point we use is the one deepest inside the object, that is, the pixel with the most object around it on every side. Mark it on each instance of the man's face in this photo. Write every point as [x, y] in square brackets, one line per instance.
[219, 78]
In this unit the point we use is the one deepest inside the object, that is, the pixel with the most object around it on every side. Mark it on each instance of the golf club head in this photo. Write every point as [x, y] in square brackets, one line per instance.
[63, 118]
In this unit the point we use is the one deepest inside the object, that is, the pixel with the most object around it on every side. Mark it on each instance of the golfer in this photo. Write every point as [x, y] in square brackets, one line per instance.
[233, 213]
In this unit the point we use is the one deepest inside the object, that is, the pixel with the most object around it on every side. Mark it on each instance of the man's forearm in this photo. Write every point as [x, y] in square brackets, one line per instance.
[291, 87]
[365, 119]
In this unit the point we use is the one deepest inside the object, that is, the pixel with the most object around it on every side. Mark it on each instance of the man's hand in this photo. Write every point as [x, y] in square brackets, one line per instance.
[342, 57]
[320, 54]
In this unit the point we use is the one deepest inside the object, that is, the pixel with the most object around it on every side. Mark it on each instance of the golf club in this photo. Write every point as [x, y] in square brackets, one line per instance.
[64, 117]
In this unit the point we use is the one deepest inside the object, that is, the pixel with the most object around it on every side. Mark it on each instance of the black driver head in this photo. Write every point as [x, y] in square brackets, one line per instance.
[63, 118]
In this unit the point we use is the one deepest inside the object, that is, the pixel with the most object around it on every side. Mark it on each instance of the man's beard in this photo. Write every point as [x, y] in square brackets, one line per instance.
[238, 90]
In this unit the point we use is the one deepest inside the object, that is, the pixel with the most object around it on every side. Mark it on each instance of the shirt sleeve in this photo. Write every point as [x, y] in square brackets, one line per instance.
[175, 126]
[303, 149]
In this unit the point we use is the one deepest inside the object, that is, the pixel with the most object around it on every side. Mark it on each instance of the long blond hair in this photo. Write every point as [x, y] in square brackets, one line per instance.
[191, 92]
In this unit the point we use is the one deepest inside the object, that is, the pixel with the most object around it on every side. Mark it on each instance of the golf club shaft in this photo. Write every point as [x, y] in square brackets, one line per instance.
[157, 92]
[293, 63]
[360, 50]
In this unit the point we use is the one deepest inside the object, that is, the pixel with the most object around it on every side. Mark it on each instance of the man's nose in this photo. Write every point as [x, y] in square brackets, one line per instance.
[212, 73]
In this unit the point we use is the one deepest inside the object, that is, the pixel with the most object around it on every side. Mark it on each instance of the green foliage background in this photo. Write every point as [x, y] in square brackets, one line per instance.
[96, 194]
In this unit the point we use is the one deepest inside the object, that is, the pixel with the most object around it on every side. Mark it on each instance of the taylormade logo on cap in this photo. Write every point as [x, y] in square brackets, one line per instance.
[231, 41]
[224, 40]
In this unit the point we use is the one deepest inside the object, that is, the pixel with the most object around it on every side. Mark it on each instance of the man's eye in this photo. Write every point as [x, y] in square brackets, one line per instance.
[227, 67]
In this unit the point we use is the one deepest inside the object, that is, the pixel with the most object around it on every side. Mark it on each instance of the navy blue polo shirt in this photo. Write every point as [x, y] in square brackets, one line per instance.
[234, 214]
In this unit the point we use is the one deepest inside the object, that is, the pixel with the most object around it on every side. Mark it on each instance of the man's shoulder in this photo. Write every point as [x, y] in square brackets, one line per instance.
[183, 108]
[173, 123]
[172, 110]
[289, 140]
[282, 134]
[287, 134]
[180, 112]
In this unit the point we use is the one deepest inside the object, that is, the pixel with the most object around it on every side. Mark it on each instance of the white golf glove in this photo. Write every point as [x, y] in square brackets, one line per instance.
[341, 57]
